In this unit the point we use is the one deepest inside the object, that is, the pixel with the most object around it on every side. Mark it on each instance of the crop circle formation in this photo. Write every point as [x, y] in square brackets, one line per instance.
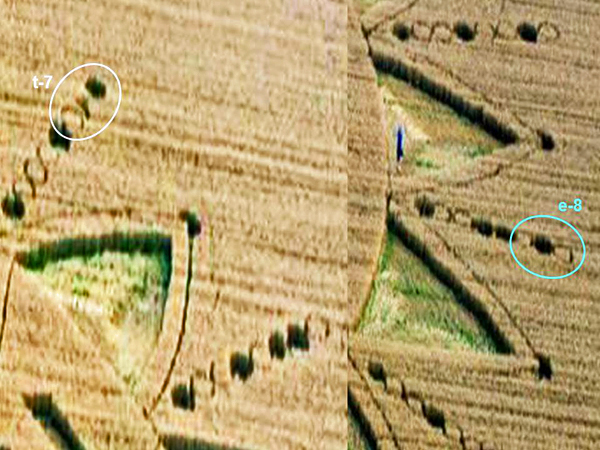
[537, 274]
[100, 94]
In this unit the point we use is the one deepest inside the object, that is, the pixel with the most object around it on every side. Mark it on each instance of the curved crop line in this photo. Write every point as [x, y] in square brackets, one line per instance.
[390, 17]
[167, 379]
[5, 302]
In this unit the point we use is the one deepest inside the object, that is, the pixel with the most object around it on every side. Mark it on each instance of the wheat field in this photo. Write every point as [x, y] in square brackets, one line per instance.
[207, 243]
[234, 110]
[524, 71]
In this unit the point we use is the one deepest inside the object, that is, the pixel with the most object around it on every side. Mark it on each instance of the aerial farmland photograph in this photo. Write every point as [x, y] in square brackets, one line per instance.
[473, 224]
[173, 234]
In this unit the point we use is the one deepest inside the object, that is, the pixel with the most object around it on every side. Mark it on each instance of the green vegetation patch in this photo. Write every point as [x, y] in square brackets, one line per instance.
[122, 274]
[408, 303]
[116, 287]
[439, 138]
[121, 284]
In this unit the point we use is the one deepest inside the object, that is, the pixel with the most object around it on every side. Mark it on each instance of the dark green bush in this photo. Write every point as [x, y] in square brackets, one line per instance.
[528, 32]
[503, 232]
[56, 140]
[377, 372]
[425, 206]
[546, 140]
[401, 31]
[194, 225]
[434, 416]
[298, 337]
[96, 87]
[242, 365]
[181, 396]
[544, 367]
[543, 244]
[464, 31]
[483, 226]
[277, 345]
[13, 206]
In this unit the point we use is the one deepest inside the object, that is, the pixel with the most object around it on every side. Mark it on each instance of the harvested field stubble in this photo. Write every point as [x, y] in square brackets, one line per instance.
[533, 63]
[248, 136]
[366, 169]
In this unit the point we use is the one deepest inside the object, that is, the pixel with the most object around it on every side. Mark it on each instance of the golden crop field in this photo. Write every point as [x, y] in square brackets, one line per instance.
[233, 111]
[366, 168]
[299, 224]
[526, 73]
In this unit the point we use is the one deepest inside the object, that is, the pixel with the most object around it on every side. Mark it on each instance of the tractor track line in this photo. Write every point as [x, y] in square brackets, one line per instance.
[155, 402]
[5, 302]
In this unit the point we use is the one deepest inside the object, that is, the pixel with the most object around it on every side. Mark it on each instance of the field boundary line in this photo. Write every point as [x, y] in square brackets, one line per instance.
[5, 302]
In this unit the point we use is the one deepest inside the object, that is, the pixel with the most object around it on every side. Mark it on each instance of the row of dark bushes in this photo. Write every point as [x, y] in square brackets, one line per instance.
[541, 242]
[486, 228]
[297, 338]
[423, 30]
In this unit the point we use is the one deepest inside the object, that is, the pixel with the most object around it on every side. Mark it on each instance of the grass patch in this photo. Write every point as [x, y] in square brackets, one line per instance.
[116, 286]
[441, 123]
[479, 151]
[408, 303]
[119, 283]
[438, 137]
[425, 163]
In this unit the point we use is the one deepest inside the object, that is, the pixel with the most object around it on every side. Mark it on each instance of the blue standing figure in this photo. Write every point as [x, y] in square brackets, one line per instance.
[400, 134]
